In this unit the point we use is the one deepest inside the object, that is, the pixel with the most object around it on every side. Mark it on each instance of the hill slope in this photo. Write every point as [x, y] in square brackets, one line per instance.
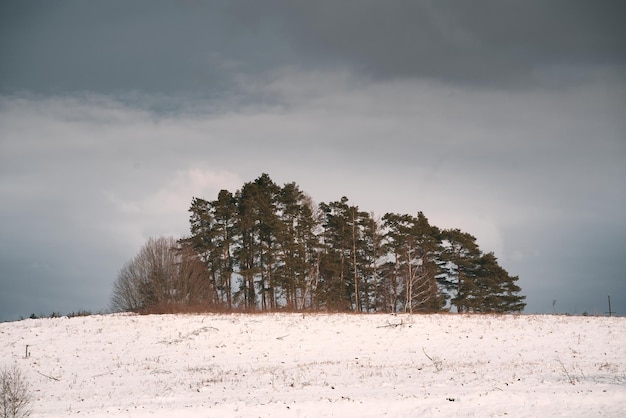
[321, 365]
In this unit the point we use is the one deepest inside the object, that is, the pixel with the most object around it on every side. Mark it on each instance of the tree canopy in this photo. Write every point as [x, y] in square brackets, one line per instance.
[269, 247]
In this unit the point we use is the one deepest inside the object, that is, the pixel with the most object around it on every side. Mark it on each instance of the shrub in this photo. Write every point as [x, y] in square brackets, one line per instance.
[15, 398]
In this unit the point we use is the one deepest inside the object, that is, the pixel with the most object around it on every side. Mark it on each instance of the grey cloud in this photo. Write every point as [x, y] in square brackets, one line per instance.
[113, 47]
[470, 42]
[201, 49]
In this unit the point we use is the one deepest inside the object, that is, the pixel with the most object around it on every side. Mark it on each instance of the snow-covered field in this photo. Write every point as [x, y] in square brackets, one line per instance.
[294, 365]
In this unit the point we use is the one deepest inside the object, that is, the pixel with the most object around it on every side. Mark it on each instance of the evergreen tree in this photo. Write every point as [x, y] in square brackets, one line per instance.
[415, 249]
[460, 257]
[213, 236]
[495, 289]
[224, 238]
[371, 256]
[308, 231]
[201, 239]
[335, 288]
[248, 248]
[427, 295]
[269, 228]
[258, 226]
[476, 280]
[291, 250]
[298, 245]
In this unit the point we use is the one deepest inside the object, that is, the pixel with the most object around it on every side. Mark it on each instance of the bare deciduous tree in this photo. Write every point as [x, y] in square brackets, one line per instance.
[15, 397]
[164, 272]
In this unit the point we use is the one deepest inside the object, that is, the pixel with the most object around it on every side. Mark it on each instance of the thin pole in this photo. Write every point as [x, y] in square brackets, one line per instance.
[610, 312]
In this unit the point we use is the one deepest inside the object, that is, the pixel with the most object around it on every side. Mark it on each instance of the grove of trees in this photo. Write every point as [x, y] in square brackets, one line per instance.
[267, 247]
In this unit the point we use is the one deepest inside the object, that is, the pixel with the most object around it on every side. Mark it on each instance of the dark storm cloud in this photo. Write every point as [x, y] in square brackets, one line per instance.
[478, 41]
[120, 46]
[200, 48]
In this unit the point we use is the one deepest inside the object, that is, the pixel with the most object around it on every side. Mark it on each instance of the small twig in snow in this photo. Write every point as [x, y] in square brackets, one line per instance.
[436, 362]
[572, 379]
[49, 377]
[390, 325]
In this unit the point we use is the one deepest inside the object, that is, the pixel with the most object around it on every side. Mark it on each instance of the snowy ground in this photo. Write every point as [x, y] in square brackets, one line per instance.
[290, 365]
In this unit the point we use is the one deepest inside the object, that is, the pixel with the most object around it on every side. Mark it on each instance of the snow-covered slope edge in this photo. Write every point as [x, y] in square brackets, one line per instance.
[321, 365]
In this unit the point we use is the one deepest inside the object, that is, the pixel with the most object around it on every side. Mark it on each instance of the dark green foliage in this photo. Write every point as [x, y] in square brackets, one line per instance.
[494, 289]
[460, 259]
[475, 280]
[213, 228]
[337, 263]
[415, 247]
[269, 247]
[298, 246]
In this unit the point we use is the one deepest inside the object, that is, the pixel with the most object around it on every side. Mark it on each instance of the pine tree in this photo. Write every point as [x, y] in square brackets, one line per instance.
[269, 228]
[201, 239]
[371, 257]
[224, 237]
[213, 235]
[460, 255]
[336, 289]
[290, 248]
[259, 230]
[495, 289]
[427, 294]
[476, 281]
[298, 245]
[400, 247]
[248, 248]
[415, 247]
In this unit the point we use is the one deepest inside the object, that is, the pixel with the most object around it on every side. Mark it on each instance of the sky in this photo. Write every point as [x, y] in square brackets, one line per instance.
[505, 119]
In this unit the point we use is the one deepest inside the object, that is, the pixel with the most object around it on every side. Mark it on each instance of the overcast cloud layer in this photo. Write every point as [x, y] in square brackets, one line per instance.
[504, 119]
